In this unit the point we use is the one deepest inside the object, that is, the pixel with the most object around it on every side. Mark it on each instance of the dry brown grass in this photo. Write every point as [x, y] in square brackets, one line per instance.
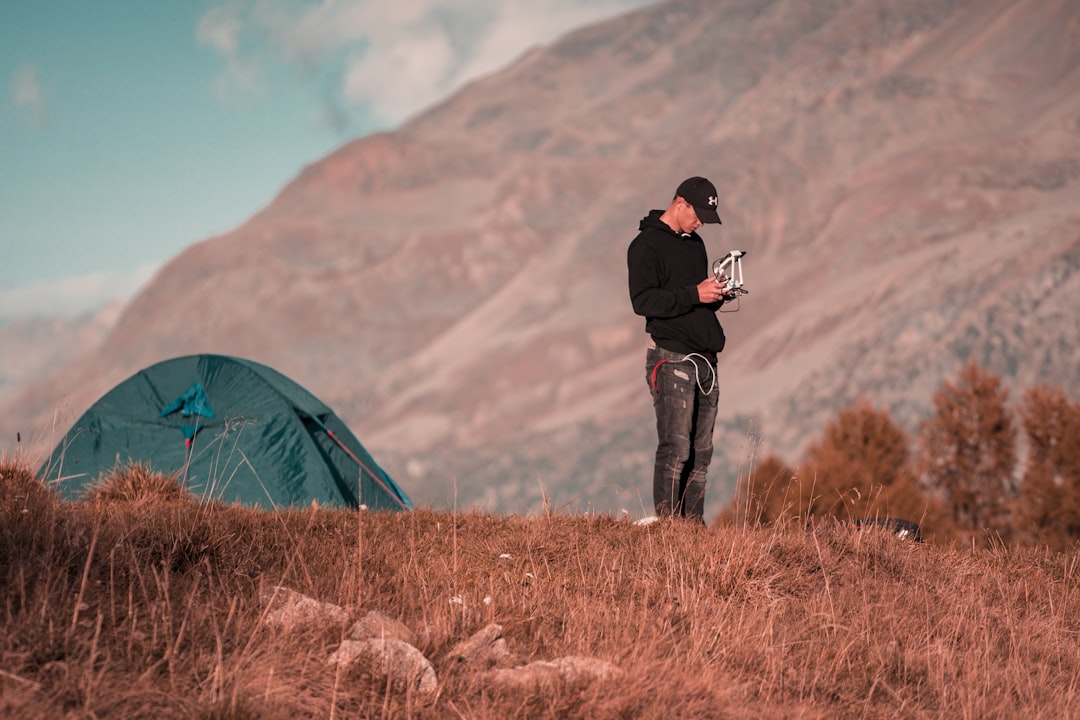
[137, 484]
[134, 608]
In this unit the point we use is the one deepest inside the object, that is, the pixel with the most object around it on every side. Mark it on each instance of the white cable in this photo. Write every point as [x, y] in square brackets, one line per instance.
[697, 371]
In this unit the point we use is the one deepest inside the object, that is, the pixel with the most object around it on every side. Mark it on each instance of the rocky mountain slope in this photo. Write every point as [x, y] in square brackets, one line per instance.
[905, 175]
[33, 347]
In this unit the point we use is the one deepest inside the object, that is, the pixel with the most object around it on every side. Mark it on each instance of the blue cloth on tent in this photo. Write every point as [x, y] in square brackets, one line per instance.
[193, 401]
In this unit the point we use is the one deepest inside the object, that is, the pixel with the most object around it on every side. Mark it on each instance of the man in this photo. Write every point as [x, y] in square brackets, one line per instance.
[671, 286]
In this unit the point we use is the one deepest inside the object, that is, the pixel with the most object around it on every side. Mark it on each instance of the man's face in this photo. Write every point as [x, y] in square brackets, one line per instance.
[686, 217]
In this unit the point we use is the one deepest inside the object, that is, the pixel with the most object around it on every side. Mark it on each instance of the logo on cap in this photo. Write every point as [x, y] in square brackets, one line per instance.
[712, 201]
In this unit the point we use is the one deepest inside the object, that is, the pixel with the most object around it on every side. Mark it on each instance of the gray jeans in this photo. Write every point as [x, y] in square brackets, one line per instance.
[685, 393]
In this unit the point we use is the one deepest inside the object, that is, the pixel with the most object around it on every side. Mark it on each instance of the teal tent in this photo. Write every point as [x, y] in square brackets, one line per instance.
[232, 430]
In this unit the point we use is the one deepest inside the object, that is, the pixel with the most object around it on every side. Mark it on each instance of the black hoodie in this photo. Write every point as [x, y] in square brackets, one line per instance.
[665, 268]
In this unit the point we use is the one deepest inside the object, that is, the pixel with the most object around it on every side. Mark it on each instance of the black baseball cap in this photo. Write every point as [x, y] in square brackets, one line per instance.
[702, 195]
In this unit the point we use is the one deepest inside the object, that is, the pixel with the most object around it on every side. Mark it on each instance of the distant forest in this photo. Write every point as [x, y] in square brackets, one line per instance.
[969, 477]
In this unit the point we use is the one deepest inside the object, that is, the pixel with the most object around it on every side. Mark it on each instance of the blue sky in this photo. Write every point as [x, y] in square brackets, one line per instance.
[131, 129]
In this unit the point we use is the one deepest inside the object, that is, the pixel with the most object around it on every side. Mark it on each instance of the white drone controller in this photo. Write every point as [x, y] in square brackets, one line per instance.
[728, 272]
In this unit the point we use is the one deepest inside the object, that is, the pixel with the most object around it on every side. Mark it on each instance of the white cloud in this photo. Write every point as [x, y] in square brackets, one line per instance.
[221, 28]
[74, 295]
[516, 26]
[28, 95]
[390, 59]
[399, 77]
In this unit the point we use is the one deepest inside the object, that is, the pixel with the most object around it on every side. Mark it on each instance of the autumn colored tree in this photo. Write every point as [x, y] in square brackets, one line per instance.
[763, 495]
[968, 451]
[1050, 492]
[862, 468]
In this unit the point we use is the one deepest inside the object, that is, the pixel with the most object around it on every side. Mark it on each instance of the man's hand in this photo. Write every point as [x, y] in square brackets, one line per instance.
[710, 291]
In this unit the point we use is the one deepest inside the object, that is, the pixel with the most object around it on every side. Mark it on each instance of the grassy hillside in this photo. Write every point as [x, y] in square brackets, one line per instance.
[142, 602]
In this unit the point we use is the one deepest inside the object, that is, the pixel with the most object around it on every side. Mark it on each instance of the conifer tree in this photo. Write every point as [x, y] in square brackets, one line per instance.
[862, 467]
[763, 495]
[1050, 492]
[968, 451]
